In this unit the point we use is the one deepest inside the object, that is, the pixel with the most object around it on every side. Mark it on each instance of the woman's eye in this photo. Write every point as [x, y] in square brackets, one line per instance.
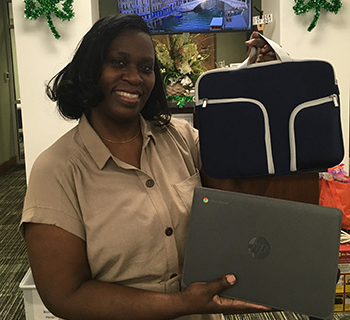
[117, 63]
[147, 68]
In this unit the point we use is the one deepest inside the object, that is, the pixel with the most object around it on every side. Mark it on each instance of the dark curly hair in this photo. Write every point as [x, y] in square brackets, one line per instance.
[75, 88]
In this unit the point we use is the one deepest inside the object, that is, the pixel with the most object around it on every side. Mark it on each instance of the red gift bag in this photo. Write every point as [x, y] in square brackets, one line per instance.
[337, 195]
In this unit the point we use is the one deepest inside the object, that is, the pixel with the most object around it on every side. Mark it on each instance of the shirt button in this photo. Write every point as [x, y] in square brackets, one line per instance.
[149, 183]
[169, 231]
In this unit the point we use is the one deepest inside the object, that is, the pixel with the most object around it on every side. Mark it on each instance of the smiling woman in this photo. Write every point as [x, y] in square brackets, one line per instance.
[126, 81]
[76, 88]
[106, 213]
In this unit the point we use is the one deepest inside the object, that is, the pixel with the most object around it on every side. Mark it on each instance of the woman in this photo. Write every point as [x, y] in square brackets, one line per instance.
[106, 212]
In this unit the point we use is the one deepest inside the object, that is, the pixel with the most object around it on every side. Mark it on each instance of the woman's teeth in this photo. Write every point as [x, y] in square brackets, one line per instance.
[128, 94]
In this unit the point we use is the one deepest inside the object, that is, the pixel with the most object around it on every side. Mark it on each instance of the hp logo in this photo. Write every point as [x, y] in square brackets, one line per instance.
[259, 247]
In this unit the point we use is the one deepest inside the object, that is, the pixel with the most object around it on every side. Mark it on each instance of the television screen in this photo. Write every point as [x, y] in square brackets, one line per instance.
[179, 16]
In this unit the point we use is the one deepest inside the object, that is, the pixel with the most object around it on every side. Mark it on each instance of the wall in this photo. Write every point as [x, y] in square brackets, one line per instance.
[329, 40]
[230, 46]
[40, 56]
[107, 7]
[7, 143]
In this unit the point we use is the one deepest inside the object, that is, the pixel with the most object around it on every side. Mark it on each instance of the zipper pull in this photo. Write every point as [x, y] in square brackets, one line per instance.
[205, 103]
[335, 100]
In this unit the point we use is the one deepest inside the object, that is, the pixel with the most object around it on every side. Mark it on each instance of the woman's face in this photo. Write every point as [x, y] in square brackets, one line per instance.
[127, 77]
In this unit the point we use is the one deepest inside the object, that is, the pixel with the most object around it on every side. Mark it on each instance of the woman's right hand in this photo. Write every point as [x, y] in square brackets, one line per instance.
[203, 297]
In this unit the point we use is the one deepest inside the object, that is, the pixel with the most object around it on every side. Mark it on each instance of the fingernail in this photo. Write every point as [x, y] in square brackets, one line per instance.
[231, 279]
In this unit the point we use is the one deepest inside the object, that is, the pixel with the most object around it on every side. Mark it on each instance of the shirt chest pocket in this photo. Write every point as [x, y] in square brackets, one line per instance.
[184, 190]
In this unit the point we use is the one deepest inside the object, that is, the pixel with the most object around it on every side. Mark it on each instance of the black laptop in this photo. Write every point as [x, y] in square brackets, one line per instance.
[283, 253]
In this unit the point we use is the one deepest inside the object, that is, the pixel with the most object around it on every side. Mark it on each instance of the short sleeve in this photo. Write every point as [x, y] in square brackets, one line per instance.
[51, 197]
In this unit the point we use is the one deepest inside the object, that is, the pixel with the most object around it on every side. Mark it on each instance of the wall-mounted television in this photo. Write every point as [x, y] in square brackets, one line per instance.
[194, 16]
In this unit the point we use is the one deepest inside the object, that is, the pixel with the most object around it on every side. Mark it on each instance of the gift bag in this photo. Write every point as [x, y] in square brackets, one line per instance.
[335, 193]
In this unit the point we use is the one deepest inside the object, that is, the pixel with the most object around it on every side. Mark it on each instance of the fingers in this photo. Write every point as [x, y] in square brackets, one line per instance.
[222, 283]
[265, 52]
[238, 306]
[233, 305]
[255, 34]
[203, 297]
[199, 296]
[230, 306]
[256, 42]
[264, 57]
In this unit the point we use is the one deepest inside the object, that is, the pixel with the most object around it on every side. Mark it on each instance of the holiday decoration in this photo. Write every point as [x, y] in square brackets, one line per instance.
[301, 7]
[180, 100]
[35, 9]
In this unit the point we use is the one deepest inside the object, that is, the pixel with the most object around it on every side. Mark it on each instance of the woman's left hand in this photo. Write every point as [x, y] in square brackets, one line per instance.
[265, 52]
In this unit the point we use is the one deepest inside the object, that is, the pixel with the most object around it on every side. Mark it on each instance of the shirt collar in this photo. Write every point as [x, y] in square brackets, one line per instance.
[97, 149]
[147, 131]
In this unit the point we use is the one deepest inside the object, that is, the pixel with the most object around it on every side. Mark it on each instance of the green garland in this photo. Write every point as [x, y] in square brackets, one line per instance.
[181, 100]
[47, 8]
[301, 7]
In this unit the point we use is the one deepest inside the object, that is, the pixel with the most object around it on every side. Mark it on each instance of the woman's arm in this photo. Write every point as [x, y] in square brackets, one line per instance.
[62, 276]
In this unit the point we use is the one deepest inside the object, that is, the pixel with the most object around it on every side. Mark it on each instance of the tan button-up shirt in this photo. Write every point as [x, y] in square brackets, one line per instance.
[134, 221]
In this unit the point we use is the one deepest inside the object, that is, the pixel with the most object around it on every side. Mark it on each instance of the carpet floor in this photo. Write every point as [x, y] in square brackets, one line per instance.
[13, 258]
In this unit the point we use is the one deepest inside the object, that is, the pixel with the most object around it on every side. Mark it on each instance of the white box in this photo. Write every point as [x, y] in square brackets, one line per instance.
[34, 307]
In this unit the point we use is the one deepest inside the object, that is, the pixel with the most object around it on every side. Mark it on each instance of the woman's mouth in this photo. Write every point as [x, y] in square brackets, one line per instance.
[128, 95]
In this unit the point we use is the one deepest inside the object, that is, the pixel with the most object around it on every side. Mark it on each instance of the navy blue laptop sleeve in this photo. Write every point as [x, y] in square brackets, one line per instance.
[269, 118]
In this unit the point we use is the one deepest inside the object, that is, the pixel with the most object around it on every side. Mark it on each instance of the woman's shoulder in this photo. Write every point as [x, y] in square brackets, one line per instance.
[56, 156]
[184, 128]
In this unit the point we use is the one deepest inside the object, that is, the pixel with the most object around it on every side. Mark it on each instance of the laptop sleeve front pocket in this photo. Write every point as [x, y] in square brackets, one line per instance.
[310, 140]
[223, 125]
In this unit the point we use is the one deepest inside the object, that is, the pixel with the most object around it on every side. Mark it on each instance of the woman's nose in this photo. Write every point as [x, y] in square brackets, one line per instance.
[132, 75]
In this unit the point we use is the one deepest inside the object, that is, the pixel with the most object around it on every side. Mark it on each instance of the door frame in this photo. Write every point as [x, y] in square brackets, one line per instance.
[6, 6]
